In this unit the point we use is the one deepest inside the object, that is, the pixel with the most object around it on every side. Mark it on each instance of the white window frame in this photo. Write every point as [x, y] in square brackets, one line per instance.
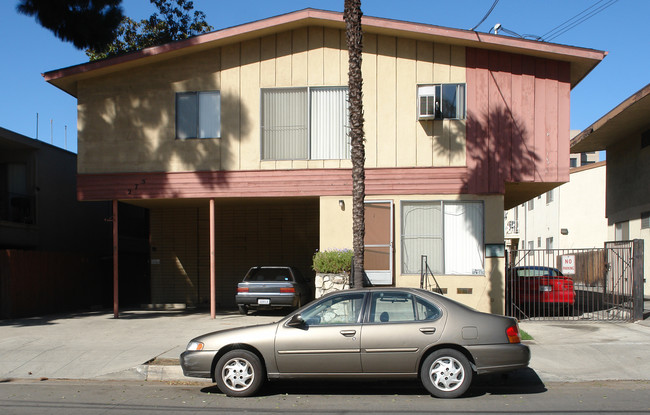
[430, 105]
[305, 127]
[203, 117]
[445, 266]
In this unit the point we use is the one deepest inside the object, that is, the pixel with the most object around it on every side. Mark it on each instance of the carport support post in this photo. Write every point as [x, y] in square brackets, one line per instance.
[115, 262]
[637, 275]
[213, 307]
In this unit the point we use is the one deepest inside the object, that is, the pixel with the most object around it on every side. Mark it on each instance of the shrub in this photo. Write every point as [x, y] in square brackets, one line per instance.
[335, 261]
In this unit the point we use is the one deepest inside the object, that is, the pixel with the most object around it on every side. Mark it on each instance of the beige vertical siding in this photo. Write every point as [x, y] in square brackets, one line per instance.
[127, 120]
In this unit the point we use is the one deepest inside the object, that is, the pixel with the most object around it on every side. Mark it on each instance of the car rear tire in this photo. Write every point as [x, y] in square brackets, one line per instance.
[239, 373]
[446, 373]
[242, 309]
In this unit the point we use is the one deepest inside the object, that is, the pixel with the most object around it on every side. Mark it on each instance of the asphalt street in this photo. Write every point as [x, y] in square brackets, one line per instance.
[488, 396]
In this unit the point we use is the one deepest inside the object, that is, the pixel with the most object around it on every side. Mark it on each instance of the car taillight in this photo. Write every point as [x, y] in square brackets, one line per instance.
[288, 290]
[242, 289]
[513, 334]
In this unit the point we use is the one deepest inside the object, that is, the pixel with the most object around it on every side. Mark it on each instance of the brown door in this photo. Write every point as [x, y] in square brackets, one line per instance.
[378, 242]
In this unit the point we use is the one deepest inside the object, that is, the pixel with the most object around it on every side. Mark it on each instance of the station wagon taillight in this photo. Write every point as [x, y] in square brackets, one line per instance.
[513, 334]
[242, 289]
[288, 290]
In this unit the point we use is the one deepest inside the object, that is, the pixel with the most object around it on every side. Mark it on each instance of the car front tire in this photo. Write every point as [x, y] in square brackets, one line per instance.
[446, 373]
[239, 373]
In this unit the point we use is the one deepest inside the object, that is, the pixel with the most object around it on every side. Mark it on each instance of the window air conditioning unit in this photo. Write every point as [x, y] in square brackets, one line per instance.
[428, 106]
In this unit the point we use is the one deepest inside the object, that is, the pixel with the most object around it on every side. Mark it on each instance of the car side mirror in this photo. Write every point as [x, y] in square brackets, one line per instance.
[296, 321]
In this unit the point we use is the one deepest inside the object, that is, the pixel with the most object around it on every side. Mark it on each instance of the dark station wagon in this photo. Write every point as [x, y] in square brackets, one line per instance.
[272, 286]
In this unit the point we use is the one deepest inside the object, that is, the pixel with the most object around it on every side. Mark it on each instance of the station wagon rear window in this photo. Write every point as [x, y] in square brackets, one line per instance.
[267, 275]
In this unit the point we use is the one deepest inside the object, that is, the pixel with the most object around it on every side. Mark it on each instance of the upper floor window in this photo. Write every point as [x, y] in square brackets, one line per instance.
[440, 101]
[449, 233]
[305, 123]
[16, 201]
[645, 220]
[549, 196]
[198, 114]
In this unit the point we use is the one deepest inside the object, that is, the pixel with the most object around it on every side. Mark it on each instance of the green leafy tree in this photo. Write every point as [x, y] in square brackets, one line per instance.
[352, 16]
[85, 23]
[175, 20]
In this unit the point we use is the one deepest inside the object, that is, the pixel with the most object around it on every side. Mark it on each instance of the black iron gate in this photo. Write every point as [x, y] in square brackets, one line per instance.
[573, 284]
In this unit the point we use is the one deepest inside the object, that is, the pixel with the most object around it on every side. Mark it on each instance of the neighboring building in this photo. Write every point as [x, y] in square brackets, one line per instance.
[582, 159]
[50, 244]
[236, 144]
[38, 204]
[571, 216]
[624, 133]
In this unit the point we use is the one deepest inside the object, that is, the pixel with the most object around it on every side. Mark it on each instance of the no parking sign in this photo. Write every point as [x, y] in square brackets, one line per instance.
[568, 264]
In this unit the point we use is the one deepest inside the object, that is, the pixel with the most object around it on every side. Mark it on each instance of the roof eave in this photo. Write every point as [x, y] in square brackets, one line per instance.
[582, 60]
[632, 113]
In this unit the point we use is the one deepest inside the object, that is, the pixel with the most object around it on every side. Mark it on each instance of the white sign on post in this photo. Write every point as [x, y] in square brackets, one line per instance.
[568, 264]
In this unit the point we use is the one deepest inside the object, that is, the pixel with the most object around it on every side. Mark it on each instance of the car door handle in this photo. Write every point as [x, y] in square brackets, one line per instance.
[348, 333]
[428, 330]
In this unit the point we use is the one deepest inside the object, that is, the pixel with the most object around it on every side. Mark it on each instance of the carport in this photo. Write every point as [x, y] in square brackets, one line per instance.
[200, 248]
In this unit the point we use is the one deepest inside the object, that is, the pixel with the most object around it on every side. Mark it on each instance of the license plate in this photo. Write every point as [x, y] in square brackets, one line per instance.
[263, 301]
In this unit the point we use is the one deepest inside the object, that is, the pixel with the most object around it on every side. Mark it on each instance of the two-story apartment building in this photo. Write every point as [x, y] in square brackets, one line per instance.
[624, 133]
[50, 243]
[236, 143]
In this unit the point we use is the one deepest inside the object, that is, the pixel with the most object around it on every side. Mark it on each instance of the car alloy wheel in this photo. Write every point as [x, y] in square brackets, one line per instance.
[446, 373]
[239, 373]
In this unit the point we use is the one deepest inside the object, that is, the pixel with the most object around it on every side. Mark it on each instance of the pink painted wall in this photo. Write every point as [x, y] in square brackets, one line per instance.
[517, 120]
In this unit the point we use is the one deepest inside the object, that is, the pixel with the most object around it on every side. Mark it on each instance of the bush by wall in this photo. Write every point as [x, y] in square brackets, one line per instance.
[334, 261]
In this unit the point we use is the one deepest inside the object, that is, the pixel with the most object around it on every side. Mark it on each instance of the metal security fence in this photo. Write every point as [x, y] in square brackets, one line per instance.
[573, 284]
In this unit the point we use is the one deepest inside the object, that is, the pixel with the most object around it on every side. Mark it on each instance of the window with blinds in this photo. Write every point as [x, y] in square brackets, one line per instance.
[449, 233]
[305, 123]
[198, 114]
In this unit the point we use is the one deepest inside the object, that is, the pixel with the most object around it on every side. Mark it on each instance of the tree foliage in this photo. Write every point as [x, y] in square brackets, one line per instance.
[85, 23]
[175, 20]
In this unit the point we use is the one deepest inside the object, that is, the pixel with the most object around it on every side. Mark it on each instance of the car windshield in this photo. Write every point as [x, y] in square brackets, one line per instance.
[269, 274]
[538, 272]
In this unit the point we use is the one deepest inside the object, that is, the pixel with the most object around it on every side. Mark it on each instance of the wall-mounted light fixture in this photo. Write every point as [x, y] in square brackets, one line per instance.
[342, 204]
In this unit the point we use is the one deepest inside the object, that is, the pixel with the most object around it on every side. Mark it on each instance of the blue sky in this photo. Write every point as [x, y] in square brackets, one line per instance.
[28, 50]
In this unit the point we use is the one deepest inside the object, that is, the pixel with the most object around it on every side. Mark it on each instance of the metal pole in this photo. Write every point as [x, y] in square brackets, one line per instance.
[213, 303]
[115, 263]
[637, 275]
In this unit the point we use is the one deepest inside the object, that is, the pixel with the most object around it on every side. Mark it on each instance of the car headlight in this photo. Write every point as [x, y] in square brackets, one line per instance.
[194, 345]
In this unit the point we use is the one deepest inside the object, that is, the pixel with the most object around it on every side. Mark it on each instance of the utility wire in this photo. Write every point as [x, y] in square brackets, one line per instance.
[577, 19]
[486, 15]
[567, 22]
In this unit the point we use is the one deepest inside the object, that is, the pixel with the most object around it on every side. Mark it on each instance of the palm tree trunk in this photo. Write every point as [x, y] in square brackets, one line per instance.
[352, 16]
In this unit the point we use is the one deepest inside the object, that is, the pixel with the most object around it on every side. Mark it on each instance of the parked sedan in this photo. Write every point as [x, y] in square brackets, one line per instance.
[272, 287]
[540, 285]
[370, 333]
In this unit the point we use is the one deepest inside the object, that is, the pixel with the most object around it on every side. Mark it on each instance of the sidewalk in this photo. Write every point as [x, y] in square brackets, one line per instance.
[145, 345]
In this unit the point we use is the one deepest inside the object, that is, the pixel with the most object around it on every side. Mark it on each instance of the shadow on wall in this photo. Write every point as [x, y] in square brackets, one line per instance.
[499, 150]
[128, 127]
